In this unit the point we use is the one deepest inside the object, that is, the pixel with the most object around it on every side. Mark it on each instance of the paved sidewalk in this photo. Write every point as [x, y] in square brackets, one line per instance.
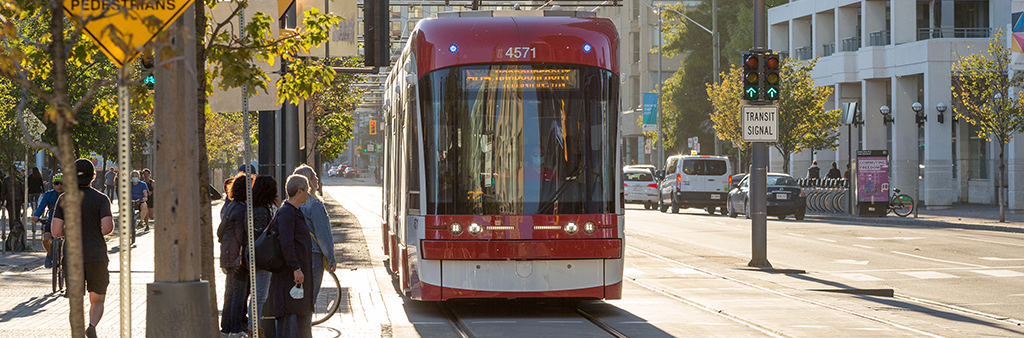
[959, 215]
[28, 308]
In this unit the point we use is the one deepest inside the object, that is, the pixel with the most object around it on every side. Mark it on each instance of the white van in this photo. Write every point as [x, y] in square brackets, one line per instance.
[695, 181]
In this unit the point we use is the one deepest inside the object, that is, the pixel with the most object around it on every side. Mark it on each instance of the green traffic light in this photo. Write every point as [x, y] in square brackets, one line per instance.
[751, 93]
[149, 81]
[773, 94]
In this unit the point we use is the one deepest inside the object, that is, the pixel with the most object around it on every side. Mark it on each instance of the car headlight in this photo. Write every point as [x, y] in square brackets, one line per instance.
[571, 228]
[475, 228]
[589, 227]
[455, 228]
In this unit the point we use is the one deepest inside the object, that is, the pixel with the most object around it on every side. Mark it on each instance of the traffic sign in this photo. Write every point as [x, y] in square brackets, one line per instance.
[759, 123]
[121, 32]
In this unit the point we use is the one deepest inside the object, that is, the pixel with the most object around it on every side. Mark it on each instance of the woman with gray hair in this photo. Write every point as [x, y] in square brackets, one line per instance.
[294, 312]
[320, 225]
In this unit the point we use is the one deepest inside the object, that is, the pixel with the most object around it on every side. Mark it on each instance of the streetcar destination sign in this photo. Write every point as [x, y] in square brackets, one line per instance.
[760, 123]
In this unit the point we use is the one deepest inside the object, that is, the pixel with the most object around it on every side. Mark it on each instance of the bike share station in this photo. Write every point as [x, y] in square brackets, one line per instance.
[872, 183]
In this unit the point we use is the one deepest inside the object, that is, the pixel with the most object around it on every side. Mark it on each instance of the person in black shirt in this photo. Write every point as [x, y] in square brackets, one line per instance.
[97, 221]
[834, 172]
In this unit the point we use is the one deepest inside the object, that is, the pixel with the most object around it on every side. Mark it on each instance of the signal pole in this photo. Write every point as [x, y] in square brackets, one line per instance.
[759, 170]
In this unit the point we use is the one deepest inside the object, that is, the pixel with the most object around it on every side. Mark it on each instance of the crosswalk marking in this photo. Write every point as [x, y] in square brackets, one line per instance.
[632, 271]
[928, 275]
[999, 273]
[863, 246]
[858, 277]
[827, 240]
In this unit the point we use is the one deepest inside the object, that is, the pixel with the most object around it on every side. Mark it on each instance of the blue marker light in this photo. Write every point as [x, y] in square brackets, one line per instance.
[453, 48]
[587, 48]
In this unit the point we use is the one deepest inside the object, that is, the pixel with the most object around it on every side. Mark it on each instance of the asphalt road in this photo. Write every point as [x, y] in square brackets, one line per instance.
[686, 276]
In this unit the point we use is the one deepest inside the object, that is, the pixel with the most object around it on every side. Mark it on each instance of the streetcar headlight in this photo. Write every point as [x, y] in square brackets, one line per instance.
[475, 229]
[589, 227]
[571, 228]
[455, 228]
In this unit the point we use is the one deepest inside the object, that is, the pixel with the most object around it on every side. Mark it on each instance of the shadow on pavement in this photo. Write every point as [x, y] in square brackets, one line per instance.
[30, 307]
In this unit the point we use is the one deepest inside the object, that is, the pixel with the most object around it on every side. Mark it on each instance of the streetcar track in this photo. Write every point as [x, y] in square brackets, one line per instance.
[600, 323]
[750, 323]
[456, 323]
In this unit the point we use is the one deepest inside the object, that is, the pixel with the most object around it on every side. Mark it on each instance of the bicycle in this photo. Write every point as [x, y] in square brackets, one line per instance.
[57, 267]
[900, 204]
[327, 301]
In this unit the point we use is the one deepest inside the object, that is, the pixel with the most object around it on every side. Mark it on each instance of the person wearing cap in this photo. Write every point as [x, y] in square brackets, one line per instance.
[47, 203]
[96, 222]
[252, 168]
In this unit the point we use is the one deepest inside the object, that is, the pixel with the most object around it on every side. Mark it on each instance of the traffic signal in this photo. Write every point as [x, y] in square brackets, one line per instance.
[751, 76]
[772, 80]
[147, 66]
[373, 127]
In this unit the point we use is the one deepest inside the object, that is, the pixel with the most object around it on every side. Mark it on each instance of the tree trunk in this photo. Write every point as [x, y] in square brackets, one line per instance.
[71, 201]
[1002, 178]
[206, 218]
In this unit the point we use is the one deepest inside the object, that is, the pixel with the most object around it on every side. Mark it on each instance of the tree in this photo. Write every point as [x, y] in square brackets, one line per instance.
[686, 108]
[982, 96]
[725, 98]
[803, 123]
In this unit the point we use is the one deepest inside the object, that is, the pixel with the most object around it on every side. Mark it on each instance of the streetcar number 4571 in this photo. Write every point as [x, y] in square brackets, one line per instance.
[521, 52]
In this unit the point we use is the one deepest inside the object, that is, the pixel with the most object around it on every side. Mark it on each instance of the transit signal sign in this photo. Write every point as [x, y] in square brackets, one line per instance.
[120, 32]
[759, 123]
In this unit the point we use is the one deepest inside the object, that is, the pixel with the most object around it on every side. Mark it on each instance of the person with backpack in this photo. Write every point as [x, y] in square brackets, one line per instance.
[814, 172]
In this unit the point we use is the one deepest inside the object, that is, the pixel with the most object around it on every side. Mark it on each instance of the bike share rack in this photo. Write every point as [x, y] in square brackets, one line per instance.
[826, 195]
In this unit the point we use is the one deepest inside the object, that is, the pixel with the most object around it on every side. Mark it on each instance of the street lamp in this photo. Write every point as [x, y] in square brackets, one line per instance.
[918, 110]
[886, 118]
[941, 107]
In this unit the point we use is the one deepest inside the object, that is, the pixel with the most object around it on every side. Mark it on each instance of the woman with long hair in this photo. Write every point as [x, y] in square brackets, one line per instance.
[265, 202]
[232, 233]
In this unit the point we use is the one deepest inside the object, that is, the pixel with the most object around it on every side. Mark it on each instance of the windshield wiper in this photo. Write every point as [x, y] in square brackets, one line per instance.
[561, 190]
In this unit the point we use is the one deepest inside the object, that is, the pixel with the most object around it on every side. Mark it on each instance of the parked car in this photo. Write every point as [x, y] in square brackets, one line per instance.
[333, 172]
[639, 187]
[648, 167]
[350, 171]
[784, 197]
[695, 181]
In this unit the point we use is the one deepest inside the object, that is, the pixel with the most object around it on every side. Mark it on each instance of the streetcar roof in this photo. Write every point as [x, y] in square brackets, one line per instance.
[466, 40]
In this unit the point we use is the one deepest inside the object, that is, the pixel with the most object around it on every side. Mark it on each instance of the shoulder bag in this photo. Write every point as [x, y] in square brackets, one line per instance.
[268, 249]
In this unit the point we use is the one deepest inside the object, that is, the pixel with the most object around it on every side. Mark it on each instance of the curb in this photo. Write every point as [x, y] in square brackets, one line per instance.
[917, 222]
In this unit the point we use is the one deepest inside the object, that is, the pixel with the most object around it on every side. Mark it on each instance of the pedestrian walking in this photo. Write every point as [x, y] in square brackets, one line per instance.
[814, 172]
[97, 221]
[147, 177]
[35, 185]
[111, 180]
[320, 225]
[294, 312]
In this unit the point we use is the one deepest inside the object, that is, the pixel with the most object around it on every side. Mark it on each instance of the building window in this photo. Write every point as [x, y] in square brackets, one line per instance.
[415, 12]
[634, 82]
[636, 9]
[978, 150]
[635, 41]
[970, 14]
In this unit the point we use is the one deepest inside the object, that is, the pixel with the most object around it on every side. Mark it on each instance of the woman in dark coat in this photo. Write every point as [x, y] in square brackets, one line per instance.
[233, 235]
[35, 185]
[294, 316]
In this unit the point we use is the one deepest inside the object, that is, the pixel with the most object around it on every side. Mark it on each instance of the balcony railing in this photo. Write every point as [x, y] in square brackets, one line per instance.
[829, 48]
[804, 53]
[961, 33]
[879, 38]
[851, 44]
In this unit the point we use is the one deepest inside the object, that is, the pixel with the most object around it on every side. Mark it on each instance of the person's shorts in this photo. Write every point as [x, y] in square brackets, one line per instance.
[149, 202]
[46, 227]
[97, 278]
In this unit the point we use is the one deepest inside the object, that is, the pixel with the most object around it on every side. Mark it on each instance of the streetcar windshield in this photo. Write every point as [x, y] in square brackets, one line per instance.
[519, 139]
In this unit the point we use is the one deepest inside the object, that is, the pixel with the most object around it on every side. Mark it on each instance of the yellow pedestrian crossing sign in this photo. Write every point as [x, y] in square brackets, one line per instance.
[122, 31]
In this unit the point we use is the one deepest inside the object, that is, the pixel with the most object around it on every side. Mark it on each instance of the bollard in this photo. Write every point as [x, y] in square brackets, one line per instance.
[915, 201]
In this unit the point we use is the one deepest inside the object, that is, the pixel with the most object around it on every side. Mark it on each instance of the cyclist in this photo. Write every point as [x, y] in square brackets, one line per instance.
[48, 203]
[140, 193]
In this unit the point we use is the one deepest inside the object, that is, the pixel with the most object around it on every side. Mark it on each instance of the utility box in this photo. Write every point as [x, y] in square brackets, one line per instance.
[872, 182]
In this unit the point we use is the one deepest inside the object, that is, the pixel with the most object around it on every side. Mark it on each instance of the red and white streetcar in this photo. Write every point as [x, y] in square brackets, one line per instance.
[501, 176]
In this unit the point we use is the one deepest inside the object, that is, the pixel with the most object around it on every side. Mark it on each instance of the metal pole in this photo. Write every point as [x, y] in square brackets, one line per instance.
[849, 164]
[718, 58]
[124, 205]
[254, 318]
[759, 173]
[661, 141]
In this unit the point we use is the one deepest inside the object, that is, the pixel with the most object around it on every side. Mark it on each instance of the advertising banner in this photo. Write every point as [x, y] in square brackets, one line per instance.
[872, 176]
[650, 112]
